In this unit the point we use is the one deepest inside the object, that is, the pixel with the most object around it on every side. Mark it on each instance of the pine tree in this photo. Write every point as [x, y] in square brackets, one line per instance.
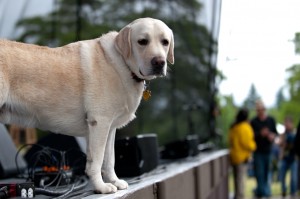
[252, 97]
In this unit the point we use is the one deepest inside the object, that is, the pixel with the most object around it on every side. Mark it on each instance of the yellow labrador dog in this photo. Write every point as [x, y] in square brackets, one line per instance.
[87, 88]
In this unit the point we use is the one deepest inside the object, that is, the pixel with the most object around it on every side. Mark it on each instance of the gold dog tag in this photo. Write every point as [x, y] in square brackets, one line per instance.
[146, 94]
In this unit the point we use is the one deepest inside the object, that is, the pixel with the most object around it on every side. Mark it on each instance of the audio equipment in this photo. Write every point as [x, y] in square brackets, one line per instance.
[181, 148]
[74, 148]
[136, 155]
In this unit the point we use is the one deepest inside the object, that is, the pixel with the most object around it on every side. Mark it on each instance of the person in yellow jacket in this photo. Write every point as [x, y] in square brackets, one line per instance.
[241, 146]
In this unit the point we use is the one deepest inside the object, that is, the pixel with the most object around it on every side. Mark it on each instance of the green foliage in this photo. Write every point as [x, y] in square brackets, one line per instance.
[59, 27]
[294, 81]
[297, 42]
[226, 118]
[290, 107]
[190, 80]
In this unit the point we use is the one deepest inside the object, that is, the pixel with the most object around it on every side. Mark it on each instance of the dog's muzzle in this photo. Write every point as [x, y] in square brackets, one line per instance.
[158, 64]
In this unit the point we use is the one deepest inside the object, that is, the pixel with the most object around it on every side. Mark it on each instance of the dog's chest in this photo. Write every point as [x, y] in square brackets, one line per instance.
[131, 104]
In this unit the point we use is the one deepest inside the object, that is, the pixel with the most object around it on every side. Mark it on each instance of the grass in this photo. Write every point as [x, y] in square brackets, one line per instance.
[250, 184]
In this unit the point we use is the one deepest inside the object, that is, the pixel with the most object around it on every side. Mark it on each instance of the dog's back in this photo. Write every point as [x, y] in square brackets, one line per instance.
[37, 84]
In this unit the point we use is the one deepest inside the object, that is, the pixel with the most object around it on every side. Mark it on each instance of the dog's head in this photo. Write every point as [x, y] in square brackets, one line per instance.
[146, 45]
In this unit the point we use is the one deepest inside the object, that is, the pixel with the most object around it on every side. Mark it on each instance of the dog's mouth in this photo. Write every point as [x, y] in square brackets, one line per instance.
[153, 74]
[145, 77]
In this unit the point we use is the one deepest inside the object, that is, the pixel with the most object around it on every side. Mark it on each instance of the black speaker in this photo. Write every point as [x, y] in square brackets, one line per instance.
[136, 155]
[181, 148]
[8, 151]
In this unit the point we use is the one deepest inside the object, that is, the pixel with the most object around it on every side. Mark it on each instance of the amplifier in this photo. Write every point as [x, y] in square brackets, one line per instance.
[181, 148]
[136, 155]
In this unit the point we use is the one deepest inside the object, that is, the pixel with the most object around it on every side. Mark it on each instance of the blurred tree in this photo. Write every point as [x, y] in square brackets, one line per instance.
[60, 26]
[297, 42]
[294, 82]
[280, 99]
[290, 106]
[191, 80]
[251, 98]
[227, 117]
[278, 110]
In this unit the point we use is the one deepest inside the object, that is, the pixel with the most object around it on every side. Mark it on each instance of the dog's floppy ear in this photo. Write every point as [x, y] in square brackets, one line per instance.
[171, 50]
[122, 42]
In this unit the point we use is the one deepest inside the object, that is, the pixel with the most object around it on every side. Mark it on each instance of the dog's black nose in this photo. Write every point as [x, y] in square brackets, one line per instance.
[158, 64]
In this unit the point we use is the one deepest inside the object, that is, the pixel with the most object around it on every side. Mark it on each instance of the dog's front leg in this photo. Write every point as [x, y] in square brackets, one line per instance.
[97, 138]
[108, 171]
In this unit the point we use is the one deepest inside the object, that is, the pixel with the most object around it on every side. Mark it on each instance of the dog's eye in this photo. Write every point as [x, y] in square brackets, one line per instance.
[143, 42]
[165, 42]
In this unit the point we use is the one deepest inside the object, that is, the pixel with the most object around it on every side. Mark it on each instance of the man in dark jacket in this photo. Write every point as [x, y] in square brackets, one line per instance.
[297, 150]
[264, 127]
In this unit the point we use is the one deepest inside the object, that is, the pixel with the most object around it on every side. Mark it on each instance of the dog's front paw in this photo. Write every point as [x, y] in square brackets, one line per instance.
[120, 184]
[106, 188]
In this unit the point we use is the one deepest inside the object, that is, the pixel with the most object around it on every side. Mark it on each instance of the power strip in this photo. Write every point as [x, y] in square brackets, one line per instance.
[23, 190]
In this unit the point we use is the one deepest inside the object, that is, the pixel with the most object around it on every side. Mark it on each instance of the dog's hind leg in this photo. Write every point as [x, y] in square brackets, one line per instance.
[108, 171]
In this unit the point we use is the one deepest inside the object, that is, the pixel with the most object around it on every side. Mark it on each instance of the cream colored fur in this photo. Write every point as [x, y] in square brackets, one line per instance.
[84, 88]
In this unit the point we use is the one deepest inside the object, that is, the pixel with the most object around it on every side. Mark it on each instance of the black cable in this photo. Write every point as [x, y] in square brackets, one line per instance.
[46, 156]
[49, 192]
[3, 195]
[17, 154]
[53, 158]
[52, 182]
[59, 180]
[3, 192]
[42, 181]
[80, 194]
[67, 193]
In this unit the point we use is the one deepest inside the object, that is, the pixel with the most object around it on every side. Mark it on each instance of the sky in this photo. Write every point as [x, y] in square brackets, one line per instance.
[12, 10]
[256, 46]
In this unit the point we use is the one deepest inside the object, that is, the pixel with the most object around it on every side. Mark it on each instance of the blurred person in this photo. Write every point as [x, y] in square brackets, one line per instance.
[297, 151]
[241, 145]
[288, 158]
[264, 127]
[275, 161]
